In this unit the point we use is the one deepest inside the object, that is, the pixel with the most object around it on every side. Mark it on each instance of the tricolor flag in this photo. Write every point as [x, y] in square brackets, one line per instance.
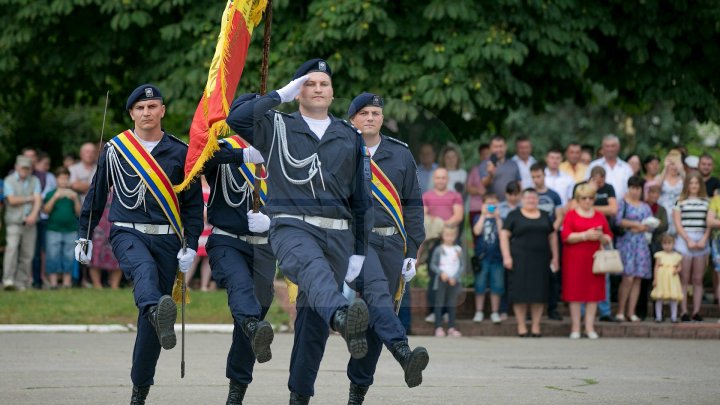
[238, 21]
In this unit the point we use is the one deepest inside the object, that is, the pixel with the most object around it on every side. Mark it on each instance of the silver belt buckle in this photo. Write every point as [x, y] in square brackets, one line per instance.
[152, 229]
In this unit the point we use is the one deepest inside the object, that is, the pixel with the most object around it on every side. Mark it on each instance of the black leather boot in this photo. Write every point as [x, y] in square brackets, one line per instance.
[352, 322]
[162, 317]
[236, 393]
[139, 394]
[261, 336]
[412, 362]
[357, 394]
[297, 399]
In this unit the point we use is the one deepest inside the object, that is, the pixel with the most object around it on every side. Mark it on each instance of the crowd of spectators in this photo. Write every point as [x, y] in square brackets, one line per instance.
[40, 206]
[536, 223]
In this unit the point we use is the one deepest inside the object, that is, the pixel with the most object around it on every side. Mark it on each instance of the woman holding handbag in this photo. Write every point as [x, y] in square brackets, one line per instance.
[583, 230]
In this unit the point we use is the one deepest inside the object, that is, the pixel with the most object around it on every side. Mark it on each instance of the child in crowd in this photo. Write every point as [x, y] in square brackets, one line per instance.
[667, 280]
[487, 252]
[447, 263]
[63, 207]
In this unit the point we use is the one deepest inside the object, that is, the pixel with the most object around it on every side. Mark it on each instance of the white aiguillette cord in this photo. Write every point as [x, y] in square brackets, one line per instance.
[280, 133]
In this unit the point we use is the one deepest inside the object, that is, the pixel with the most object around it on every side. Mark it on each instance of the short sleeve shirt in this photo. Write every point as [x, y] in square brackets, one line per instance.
[505, 173]
[441, 205]
[62, 218]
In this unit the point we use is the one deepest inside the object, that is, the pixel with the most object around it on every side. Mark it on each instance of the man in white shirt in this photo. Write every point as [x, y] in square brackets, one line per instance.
[556, 180]
[617, 171]
[523, 158]
[82, 172]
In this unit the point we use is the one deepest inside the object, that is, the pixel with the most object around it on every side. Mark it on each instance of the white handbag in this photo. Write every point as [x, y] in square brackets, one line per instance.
[607, 261]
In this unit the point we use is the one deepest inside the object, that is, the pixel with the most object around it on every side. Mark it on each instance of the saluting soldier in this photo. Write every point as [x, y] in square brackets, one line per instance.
[154, 229]
[397, 233]
[319, 202]
[241, 259]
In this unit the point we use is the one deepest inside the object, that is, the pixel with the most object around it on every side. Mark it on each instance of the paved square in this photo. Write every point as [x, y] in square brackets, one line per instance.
[92, 368]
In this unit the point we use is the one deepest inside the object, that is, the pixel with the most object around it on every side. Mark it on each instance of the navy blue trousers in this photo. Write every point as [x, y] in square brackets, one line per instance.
[150, 262]
[315, 259]
[247, 273]
[377, 284]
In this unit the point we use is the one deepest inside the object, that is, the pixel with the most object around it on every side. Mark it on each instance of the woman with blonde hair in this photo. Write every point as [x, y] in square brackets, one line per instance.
[690, 218]
[671, 184]
[584, 229]
[451, 159]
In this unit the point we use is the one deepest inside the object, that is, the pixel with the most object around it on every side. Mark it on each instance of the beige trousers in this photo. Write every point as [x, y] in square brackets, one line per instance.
[19, 252]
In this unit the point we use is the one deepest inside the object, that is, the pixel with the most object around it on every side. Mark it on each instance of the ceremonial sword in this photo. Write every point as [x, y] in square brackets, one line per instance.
[84, 245]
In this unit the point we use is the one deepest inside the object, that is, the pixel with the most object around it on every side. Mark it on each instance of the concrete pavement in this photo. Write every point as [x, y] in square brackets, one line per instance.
[91, 368]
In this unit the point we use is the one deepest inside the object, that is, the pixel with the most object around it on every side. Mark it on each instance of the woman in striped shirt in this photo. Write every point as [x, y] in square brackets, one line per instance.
[690, 218]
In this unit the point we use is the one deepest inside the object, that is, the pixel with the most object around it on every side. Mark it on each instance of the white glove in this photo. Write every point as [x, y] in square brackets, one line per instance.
[354, 267]
[185, 259]
[292, 89]
[80, 254]
[408, 270]
[252, 155]
[258, 222]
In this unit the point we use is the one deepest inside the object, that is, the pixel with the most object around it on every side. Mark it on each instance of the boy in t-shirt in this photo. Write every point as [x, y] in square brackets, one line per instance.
[487, 251]
[63, 207]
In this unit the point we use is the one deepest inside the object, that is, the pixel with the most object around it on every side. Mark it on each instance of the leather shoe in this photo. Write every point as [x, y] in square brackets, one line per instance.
[352, 322]
[357, 394]
[139, 394]
[260, 334]
[297, 399]
[412, 362]
[162, 317]
[555, 316]
[607, 318]
[236, 393]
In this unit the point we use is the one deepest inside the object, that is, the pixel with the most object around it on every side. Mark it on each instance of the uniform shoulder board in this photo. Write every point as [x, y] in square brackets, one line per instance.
[391, 139]
[346, 122]
[176, 139]
[283, 113]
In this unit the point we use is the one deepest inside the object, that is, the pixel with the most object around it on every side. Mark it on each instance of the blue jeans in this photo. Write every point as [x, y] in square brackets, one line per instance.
[604, 306]
[59, 252]
[490, 277]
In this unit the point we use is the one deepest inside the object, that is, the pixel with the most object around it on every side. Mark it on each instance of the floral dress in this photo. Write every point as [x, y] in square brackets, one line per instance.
[633, 247]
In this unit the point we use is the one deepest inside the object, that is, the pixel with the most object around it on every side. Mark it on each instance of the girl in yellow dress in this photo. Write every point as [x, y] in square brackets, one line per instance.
[667, 281]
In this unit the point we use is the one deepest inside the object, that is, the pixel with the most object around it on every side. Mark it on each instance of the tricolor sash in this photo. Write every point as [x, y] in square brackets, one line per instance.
[384, 191]
[145, 166]
[247, 170]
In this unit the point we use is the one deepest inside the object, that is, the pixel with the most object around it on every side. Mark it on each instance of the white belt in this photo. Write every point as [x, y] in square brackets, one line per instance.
[321, 222]
[386, 231]
[150, 229]
[251, 239]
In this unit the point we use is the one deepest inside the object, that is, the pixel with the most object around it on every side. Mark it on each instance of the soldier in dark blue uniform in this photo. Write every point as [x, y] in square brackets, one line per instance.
[390, 260]
[242, 263]
[319, 202]
[143, 237]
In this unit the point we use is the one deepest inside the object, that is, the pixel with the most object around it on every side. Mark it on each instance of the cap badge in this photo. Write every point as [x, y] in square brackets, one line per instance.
[148, 92]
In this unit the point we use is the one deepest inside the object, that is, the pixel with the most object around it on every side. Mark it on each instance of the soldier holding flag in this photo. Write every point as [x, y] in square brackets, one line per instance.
[240, 258]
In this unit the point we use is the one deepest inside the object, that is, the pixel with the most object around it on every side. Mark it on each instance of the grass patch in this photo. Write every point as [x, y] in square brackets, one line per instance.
[588, 381]
[89, 306]
[550, 387]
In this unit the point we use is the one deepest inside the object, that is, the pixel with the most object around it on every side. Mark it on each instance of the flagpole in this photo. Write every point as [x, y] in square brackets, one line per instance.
[263, 89]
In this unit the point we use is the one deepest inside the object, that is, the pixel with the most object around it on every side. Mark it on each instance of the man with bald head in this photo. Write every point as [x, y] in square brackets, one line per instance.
[82, 172]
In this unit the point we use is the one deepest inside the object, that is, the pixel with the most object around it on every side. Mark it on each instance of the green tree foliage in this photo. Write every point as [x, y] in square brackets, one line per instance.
[464, 63]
